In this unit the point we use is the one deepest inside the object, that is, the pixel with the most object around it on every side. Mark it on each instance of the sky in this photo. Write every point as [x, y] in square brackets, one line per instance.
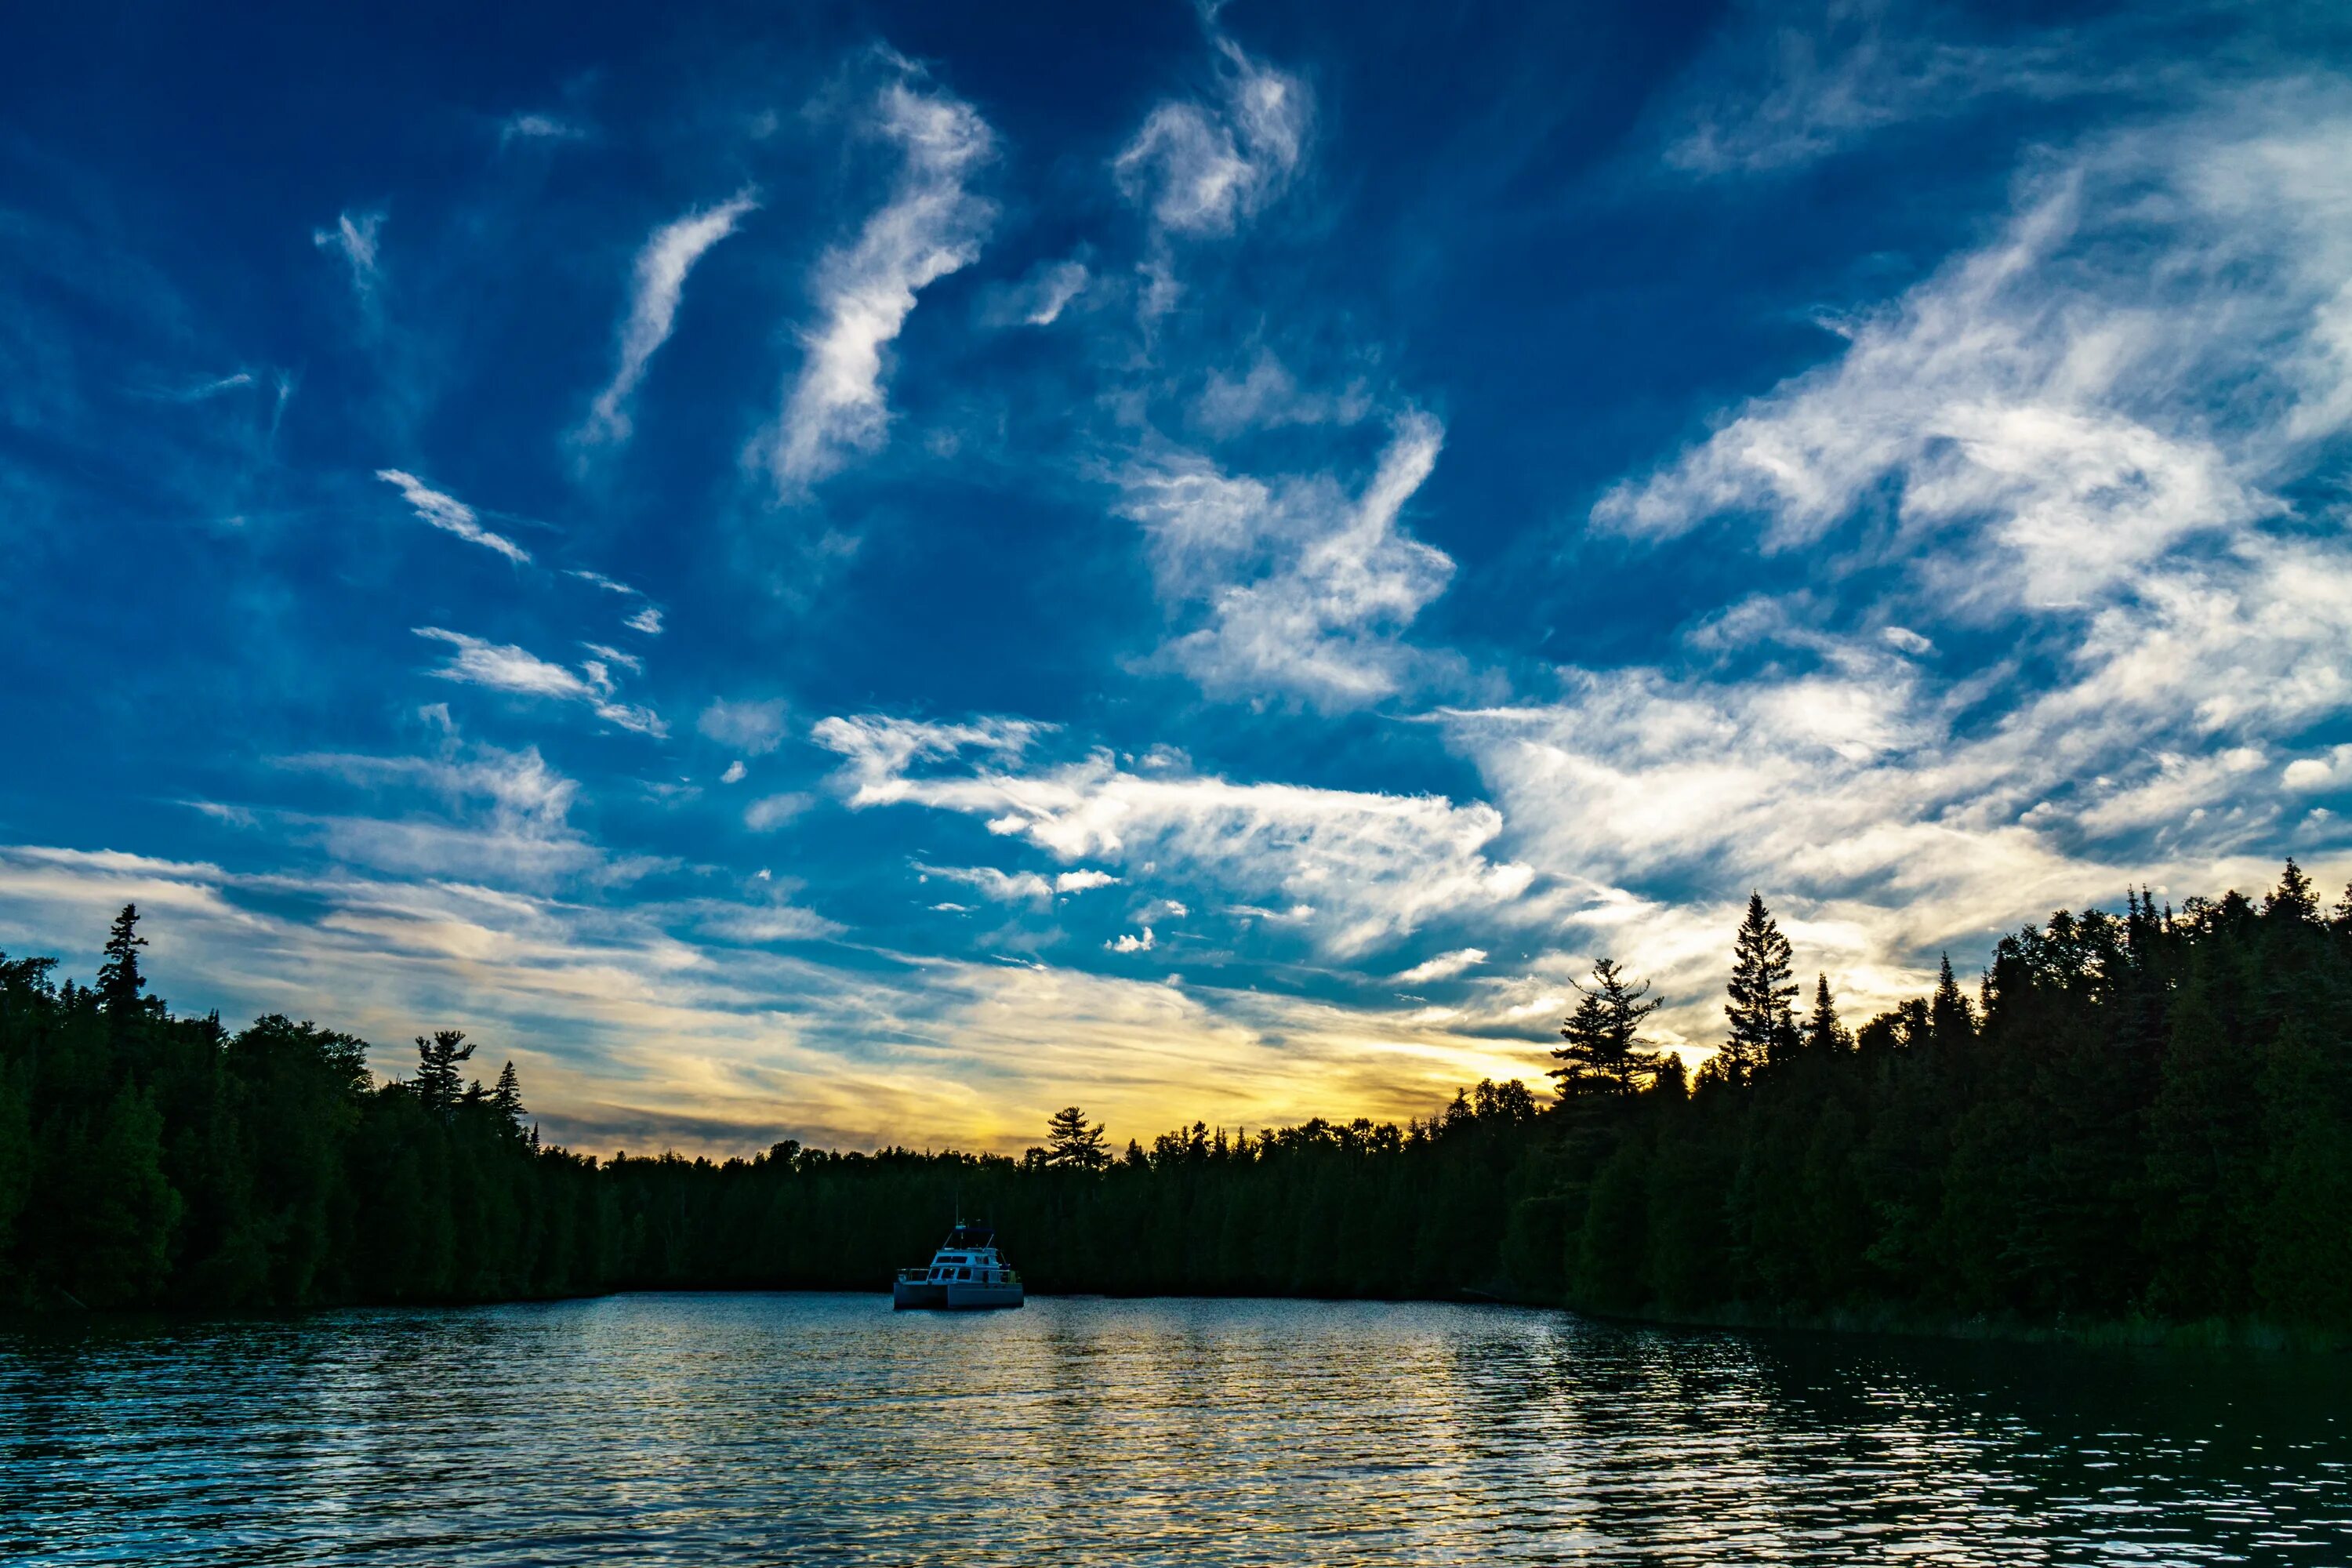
[863, 573]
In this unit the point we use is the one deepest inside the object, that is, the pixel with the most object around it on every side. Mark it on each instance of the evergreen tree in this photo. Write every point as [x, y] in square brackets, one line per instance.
[1763, 1023]
[1823, 1035]
[439, 1083]
[507, 1098]
[1603, 1054]
[1072, 1146]
[119, 980]
[1949, 1018]
[2294, 898]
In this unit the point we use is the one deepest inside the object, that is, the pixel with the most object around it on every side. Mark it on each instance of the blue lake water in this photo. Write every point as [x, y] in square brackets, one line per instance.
[809, 1428]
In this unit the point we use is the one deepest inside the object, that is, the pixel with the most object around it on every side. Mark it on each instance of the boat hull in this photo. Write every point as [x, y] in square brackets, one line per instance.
[952, 1296]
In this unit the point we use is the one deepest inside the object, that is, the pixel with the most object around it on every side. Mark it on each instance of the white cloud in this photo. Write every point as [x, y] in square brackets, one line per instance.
[1039, 299]
[2330, 771]
[659, 282]
[601, 580]
[772, 812]
[1444, 966]
[627, 661]
[1907, 639]
[469, 811]
[1141, 942]
[930, 226]
[1020, 887]
[1267, 396]
[355, 238]
[534, 127]
[451, 515]
[1202, 169]
[734, 774]
[753, 728]
[2137, 363]
[502, 667]
[647, 620]
[1302, 588]
[1364, 868]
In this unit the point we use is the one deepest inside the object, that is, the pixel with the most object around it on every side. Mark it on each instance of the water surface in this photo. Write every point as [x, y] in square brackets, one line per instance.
[805, 1428]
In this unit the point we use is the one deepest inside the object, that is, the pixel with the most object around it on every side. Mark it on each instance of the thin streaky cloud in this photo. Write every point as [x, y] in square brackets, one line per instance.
[659, 283]
[536, 127]
[355, 238]
[504, 667]
[450, 515]
[931, 226]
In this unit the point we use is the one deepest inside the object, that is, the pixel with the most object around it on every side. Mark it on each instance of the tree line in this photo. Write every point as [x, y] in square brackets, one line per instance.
[2137, 1115]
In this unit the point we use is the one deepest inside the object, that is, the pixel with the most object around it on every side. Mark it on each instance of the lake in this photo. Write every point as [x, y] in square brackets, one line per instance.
[746, 1429]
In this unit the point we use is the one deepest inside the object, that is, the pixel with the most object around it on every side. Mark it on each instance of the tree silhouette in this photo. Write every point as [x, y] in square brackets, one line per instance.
[1763, 1024]
[1072, 1146]
[439, 1083]
[1824, 1034]
[1603, 1054]
[119, 980]
[507, 1098]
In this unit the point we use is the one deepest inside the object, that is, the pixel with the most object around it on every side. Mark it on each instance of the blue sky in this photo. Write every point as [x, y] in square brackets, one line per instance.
[865, 572]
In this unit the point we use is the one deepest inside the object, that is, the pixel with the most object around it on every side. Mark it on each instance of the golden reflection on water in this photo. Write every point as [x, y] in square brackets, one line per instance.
[747, 1429]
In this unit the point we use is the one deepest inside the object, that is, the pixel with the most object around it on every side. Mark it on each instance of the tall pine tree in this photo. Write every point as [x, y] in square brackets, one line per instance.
[119, 980]
[1763, 1023]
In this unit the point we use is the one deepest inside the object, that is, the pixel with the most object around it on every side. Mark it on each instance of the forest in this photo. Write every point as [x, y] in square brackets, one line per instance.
[2144, 1117]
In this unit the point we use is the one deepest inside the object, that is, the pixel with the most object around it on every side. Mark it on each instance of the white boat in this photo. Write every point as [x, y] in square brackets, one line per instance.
[967, 1273]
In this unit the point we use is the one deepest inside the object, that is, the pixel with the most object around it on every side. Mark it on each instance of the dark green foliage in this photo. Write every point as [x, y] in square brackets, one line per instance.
[2149, 1114]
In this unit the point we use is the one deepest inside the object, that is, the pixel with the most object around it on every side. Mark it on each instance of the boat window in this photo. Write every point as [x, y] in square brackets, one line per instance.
[963, 1273]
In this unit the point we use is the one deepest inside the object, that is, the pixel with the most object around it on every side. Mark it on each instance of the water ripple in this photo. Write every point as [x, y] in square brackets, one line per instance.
[750, 1429]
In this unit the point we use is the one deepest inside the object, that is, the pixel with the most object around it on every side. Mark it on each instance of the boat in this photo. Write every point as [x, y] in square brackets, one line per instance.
[966, 1274]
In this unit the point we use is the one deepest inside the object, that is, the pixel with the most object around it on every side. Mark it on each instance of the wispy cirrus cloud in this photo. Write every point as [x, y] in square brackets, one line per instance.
[658, 282]
[1787, 86]
[1201, 169]
[1369, 867]
[503, 666]
[933, 225]
[354, 238]
[1444, 966]
[1039, 299]
[450, 515]
[2057, 410]
[1301, 590]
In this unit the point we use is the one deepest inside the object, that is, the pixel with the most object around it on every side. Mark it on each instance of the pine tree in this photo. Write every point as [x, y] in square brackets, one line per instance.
[1824, 1036]
[119, 980]
[1763, 1023]
[439, 1084]
[1071, 1144]
[507, 1098]
[1948, 1014]
[2294, 898]
[1603, 1054]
